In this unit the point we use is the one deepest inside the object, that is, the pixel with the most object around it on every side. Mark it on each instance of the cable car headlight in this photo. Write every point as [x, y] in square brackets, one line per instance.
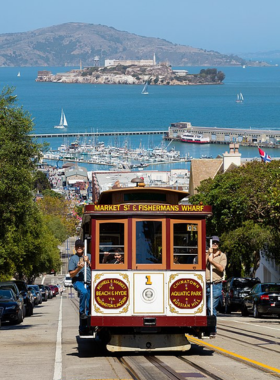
[148, 294]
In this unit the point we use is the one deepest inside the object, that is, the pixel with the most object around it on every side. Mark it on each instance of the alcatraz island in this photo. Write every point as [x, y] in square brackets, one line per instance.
[134, 72]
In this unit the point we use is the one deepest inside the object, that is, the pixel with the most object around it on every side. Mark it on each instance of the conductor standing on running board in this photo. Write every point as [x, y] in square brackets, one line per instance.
[218, 261]
[76, 270]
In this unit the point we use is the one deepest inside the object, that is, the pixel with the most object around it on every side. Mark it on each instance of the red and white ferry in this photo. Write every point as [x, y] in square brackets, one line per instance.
[194, 139]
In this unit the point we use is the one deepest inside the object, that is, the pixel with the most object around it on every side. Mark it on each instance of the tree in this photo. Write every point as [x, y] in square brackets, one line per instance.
[57, 215]
[41, 181]
[26, 243]
[245, 202]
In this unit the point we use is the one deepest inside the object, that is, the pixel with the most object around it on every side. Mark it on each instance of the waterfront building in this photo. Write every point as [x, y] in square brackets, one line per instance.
[249, 137]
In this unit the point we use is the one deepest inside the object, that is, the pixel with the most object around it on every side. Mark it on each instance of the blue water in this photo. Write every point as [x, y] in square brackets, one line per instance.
[93, 108]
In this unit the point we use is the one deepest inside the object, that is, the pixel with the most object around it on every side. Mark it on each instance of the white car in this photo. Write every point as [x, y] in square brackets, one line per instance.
[67, 281]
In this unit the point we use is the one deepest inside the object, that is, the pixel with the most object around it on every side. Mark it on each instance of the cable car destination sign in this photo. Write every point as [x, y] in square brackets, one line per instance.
[151, 208]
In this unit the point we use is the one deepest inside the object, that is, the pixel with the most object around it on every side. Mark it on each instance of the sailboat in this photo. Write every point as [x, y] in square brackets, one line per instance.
[63, 122]
[18, 74]
[239, 98]
[145, 89]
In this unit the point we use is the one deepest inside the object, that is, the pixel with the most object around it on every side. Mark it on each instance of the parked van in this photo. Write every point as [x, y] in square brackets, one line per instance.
[67, 281]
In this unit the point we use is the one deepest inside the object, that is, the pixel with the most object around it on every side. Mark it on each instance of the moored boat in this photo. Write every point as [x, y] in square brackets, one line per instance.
[194, 139]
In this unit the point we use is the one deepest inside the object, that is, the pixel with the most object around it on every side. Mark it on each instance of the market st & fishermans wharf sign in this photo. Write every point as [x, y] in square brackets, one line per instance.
[150, 208]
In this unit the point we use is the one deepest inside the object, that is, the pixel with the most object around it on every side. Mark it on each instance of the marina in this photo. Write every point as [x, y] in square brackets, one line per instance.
[117, 157]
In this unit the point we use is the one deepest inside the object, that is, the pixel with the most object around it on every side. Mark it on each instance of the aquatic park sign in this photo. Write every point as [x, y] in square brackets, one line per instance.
[149, 208]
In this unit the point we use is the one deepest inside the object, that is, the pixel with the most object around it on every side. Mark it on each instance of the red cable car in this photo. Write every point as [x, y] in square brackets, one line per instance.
[148, 286]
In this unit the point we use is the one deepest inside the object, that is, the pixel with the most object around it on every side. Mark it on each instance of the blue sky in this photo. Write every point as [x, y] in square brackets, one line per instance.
[238, 26]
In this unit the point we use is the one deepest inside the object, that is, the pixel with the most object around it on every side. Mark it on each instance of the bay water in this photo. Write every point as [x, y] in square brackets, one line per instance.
[105, 108]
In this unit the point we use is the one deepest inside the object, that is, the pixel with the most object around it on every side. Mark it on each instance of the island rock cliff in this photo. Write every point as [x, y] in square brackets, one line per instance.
[161, 74]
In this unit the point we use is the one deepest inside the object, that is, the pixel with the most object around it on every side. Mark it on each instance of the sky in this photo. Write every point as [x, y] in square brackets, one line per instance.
[239, 26]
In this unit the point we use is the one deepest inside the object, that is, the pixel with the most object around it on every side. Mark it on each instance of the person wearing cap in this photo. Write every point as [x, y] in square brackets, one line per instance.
[76, 270]
[218, 260]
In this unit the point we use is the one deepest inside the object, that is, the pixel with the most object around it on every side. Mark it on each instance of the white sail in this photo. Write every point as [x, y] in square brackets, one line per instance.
[145, 89]
[18, 74]
[239, 98]
[63, 122]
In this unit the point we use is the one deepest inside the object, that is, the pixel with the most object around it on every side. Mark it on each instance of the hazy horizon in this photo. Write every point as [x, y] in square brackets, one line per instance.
[234, 28]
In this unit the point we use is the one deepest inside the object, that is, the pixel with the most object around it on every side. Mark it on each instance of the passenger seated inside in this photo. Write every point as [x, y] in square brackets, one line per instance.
[113, 258]
[177, 259]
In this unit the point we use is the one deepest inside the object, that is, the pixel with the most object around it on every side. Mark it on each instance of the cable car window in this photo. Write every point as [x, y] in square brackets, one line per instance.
[185, 243]
[111, 243]
[148, 242]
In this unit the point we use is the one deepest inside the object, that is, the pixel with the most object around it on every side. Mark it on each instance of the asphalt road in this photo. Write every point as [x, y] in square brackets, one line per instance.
[46, 346]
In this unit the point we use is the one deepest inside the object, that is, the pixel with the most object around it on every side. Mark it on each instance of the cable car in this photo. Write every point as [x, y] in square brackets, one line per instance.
[148, 287]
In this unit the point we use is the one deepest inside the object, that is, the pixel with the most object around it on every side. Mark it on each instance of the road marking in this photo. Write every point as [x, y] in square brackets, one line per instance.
[58, 351]
[248, 323]
[201, 342]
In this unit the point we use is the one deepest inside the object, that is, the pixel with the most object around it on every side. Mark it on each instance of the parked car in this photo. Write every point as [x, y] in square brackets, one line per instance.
[263, 299]
[38, 292]
[236, 289]
[50, 293]
[34, 294]
[67, 281]
[27, 296]
[44, 292]
[54, 290]
[11, 285]
[11, 308]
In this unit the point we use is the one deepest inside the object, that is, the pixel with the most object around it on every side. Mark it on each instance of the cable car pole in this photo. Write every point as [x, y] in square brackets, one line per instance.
[211, 283]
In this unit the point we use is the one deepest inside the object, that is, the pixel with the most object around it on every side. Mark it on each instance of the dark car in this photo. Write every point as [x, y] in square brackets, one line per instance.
[11, 285]
[38, 292]
[11, 309]
[27, 296]
[44, 292]
[34, 294]
[263, 299]
[50, 293]
[236, 289]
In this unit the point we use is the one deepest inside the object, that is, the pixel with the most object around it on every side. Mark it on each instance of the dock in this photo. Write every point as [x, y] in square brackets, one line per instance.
[95, 134]
[216, 135]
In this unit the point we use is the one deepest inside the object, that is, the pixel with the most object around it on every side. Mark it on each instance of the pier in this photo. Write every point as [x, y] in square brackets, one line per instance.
[216, 135]
[96, 134]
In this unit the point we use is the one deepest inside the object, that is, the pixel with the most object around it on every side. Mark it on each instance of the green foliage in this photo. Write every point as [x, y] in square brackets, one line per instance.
[56, 211]
[26, 243]
[246, 212]
[41, 181]
[53, 194]
[79, 210]
[212, 74]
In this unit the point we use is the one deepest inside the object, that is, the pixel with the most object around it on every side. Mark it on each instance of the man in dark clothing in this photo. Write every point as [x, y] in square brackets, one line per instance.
[76, 270]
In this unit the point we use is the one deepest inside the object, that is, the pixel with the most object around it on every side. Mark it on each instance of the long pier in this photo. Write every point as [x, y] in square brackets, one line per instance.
[96, 134]
[245, 137]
